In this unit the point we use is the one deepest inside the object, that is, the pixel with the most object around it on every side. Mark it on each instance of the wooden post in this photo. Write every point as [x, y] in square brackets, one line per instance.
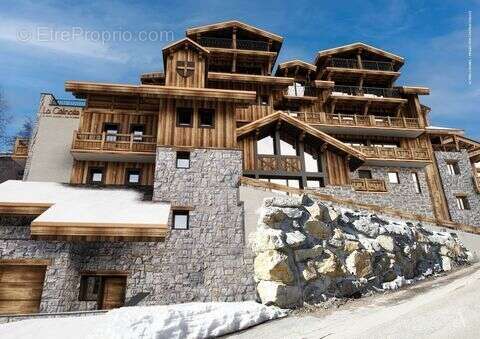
[234, 38]
[277, 138]
[131, 142]
[103, 140]
[255, 153]
[359, 58]
[301, 154]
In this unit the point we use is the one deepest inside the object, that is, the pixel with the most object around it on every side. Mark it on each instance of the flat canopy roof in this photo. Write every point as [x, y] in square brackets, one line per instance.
[79, 88]
[65, 211]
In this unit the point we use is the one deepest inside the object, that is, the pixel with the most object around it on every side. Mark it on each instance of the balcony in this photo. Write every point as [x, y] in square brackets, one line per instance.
[228, 43]
[367, 92]
[279, 163]
[20, 150]
[367, 64]
[306, 92]
[113, 147]
[415, 157]
[369, 185]
[362, 124]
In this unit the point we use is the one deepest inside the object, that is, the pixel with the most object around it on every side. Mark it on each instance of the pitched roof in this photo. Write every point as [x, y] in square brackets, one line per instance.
[185, 40]
[356, 45]
[280, 116]
[234, 23]
[296, 62]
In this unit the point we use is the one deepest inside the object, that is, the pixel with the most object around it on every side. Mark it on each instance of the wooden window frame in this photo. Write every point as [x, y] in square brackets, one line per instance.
[181, 211]
[464, 202]
[82, 295]
[90, 176]
[177, 113]
[127, 175]
[176, 159]
[201, 111]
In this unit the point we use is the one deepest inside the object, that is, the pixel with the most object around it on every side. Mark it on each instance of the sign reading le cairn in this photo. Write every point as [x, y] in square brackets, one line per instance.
[59, 110]
[185, 68]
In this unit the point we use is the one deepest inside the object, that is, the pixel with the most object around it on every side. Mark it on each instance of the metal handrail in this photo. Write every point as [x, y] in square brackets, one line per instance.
[228, 43]
[342, 63]
[377, 65]
[252, 45]
[366, 64]
[215, 42]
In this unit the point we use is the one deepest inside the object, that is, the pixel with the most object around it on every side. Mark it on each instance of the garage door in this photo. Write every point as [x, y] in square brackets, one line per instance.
[21, 288]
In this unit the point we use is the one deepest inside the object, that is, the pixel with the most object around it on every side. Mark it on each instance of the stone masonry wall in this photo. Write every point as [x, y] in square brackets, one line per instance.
[459, 184]
[399, 196]
[207, 262]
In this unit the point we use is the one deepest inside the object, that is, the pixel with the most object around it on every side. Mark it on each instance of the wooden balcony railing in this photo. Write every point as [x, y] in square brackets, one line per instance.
[368, 91]
[279, 163]
[20, 148]
[369, 185]
[367, 64]
[114, 142]
[228, 43]
[395, 153]
[356, 120]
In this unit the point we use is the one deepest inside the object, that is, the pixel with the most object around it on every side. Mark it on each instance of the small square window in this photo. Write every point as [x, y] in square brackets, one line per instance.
[416, 183]
[133, 177]
[453, 168]
[206, 117]
[393, 177]
[365, 174]
[184, 116]
[264, 100]
[462, 202]
[89, 288]
[181, 220]
[183, 159]
[96, 176]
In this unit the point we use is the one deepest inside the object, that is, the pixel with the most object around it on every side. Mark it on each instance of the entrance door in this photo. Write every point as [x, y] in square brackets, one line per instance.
[21, 288]
[113, 293]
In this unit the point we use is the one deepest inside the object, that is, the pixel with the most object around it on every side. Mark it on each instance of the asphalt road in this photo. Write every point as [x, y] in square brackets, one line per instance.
[445, 307]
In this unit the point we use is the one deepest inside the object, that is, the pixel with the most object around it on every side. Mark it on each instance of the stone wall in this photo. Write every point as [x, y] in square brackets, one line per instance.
[207, 262]
[399, 196]
[459, 184]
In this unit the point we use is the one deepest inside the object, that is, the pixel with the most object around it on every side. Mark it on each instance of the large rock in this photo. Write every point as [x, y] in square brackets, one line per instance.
[317, 229]
[321, 212]
[351, 245]
[308, 271]
[330, 266]
[386, 242]
[308, 253]
[278, 294]
[286, 201]
[273, 265]
[267, 239]
[295, 239]
[359, 263]
[272, 216]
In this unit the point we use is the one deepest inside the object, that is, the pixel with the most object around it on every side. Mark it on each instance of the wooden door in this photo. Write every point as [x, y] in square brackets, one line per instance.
[113, 292]
[21, 288]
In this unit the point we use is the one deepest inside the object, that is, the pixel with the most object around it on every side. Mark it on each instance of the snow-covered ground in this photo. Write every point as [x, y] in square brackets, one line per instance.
[192, 320]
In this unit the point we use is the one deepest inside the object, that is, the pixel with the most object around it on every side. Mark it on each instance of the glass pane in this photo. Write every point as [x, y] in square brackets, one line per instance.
[311, 164]
[265, 146]
[97, 177]
[134, 178]
[313, 183]
[286, 148]
[183, 163]
[180, 221]
[393, 177]
[294, 183]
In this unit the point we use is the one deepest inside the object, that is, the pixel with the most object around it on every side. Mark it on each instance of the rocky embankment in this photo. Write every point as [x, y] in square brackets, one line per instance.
[309, 251]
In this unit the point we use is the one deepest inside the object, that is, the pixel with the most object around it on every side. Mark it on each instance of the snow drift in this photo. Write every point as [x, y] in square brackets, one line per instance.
[191, 320]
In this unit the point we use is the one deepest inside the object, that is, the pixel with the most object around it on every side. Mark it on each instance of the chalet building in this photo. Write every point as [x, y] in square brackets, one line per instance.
[219, 114]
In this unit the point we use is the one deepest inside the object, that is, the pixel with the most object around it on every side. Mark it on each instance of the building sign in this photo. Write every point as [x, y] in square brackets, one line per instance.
[62, 111]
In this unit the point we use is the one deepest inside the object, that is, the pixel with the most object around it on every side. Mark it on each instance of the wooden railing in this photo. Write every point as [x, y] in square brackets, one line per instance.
[278, 163]
[114, 142]
[395, 153]
[367, 64]
[228, 43]
[369, 185]
[368, 91]
[20, 148]
[356, 120]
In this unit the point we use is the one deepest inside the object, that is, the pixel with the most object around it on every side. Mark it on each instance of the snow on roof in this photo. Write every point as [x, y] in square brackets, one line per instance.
[71, 204]
[445, 129]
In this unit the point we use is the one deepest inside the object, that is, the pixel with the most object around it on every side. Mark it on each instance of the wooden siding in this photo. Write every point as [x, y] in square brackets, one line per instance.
[93, 121]
[188, 54]
[247, 145]
[221, 135]
[114, 172]
[337, 169]
[21, 288]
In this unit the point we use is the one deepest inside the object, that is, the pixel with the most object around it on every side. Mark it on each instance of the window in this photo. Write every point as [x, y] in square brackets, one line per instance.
[137, 130]
[315, 183]
[462, 202]
[393, 178]
[133, 177]
[183, 159]
[181, 219]
[90, 287]
[385, 145]
[265, 146]
[365, 174]
[453, 168]
[206, 117]
[416, 183]
[111, 131]
[95, 176]
[311, 162]
[264, 100]
[184, 116]
[287, 148]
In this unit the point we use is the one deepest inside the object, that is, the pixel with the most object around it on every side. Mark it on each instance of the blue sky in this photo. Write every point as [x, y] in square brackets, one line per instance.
[431, 35]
